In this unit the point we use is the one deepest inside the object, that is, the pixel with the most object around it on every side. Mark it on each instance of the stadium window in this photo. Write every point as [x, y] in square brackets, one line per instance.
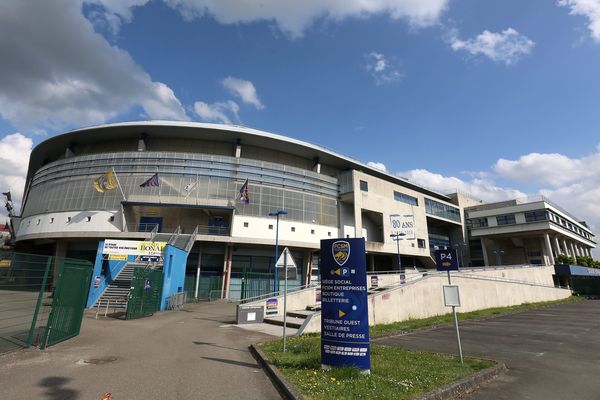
[88, 219]
[404, 198]
[421, 243]
[364, 186]
[508, 219]
[112, 218]
[270, 226]
[329, 234]
[293, 229]
[312, 231]
[68, 219]
[245, 224]
[52, 220]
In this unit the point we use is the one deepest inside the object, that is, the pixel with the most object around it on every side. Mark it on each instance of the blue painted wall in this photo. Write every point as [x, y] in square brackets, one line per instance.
[106, 277]
[175, 260]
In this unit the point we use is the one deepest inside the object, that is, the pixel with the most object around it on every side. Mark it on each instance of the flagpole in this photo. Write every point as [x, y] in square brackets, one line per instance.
[118, 183]
[159, 201]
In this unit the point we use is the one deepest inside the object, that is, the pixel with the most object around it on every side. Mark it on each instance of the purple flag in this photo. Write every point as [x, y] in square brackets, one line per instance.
[244, 196]
[152, 182]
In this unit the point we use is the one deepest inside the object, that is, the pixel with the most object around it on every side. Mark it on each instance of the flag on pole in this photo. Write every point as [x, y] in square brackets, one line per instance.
[152, 181]
[189, 186]
[244, 196]
[105, 182]
[8, 196]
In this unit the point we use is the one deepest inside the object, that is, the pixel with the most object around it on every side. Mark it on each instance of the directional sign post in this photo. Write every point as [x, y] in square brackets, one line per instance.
[286, 262]
[344, 312]
[446, 260]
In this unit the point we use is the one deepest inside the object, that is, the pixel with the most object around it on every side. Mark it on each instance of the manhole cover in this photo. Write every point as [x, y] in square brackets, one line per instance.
[100, 361]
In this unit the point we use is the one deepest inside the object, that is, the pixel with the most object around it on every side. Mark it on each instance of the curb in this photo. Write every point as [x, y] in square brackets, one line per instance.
[284, 388]
[466, 385]
[451, 391]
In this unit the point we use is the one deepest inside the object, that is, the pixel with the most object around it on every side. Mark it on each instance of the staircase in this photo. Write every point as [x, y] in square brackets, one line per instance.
[294, 319]
[115, 296]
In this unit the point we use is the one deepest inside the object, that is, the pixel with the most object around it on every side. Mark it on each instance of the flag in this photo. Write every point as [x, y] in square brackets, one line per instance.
[152, 181]
[244, 196]
[105, 182]
[7, 194]
[189, 186]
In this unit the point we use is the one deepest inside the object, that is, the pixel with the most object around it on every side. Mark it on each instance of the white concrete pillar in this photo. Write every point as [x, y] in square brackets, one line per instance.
[485, 254]
[573, 250]
[358, 233]
[566, 248]
[548, 248]
[589, 251]
[556, 246]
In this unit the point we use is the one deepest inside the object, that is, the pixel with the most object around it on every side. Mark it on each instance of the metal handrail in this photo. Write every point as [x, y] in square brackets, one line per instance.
[174, 235]
[275, 294]
[191, 241]
[154, 233]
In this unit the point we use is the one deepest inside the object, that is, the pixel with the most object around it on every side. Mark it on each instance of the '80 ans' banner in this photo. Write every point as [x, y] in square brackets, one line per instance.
[403, 224]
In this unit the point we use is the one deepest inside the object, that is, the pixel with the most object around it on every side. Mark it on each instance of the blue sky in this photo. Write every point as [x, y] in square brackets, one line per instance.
[496, 98]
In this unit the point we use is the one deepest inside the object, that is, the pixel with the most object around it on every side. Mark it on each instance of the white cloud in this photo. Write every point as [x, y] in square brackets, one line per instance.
[507, 46]
[69, 75]
[113, 13]
[571, 183]
[217, 112]
[14, 160]
[377, 165]
[383, 69]
[294, 17]
[243, 89]
[481, 188]
[586, 8]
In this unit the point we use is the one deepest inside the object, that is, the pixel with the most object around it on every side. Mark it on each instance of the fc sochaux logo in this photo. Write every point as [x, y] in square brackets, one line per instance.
[340, 251]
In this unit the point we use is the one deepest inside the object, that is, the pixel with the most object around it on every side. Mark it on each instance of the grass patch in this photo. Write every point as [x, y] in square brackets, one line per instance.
[399, 327]
[395, 373]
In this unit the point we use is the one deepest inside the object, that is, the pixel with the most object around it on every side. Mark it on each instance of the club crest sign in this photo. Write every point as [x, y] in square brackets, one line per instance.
[340, 251]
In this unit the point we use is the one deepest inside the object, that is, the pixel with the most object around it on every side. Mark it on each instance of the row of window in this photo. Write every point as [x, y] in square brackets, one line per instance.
[530, 216]
[292, 229]
[442, 210]
[68, 220]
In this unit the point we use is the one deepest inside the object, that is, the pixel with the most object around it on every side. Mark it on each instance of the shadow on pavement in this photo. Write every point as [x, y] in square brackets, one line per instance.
[219, 346]
[55, 389]
[233, 362]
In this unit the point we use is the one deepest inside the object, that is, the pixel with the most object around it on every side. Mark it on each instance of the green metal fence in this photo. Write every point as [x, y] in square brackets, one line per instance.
[145, 293]
[68, 302]
[27, 297]
[25, 290]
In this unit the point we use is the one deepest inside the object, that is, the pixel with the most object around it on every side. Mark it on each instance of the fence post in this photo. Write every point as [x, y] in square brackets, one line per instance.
[39, 303]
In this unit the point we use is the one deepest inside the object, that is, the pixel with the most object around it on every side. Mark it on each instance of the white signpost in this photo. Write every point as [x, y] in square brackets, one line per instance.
[452, 299]
[287, 263]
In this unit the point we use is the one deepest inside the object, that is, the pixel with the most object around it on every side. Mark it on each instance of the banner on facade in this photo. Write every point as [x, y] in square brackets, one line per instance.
[133, 247]
[403, 225]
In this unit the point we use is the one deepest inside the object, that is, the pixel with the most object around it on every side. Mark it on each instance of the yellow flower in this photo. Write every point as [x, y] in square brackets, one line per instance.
[333, 379]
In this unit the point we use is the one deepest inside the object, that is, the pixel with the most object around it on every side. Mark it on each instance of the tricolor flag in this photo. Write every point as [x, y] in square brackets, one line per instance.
[244, 196]
[105, 182]
[152, 182]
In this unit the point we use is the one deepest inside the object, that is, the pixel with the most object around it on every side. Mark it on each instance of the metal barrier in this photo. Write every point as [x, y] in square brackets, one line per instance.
[176, 301]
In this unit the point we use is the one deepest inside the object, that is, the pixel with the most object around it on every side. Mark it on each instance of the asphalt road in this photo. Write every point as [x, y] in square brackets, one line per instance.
[552, 353]
[192, 354]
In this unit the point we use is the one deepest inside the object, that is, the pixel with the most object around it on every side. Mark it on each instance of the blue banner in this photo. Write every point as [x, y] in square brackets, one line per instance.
[446, 260]
[344, 309]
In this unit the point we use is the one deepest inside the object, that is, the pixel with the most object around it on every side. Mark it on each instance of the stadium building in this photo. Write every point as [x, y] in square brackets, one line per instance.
[149, 180]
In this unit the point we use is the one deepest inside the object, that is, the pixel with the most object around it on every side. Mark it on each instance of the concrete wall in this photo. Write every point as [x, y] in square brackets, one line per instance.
[423, 298]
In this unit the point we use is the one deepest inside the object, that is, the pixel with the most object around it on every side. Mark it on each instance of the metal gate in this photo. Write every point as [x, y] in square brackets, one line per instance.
[145, 293]
[256, 284]
[68, 302]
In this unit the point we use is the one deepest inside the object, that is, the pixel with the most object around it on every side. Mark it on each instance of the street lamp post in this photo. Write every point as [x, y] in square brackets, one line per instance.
[398, 237]
[276, 214]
